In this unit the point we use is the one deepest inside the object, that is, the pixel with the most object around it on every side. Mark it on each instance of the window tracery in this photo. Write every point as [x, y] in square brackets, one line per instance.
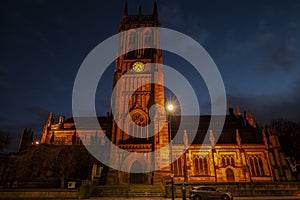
[227, 160]
[137, 125]
[178, 167]
[256, 165]
[201, 166]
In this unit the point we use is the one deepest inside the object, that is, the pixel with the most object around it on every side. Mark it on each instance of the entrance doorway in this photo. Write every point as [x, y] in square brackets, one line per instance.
[136, 178]
[230, 175]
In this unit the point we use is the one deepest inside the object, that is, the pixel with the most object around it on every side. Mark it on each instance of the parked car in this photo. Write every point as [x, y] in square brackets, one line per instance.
[209, 193]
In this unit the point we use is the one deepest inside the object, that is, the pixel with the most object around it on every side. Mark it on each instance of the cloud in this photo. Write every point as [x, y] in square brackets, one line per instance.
[267, 41]
[3, 119]
[187, 21]
[40, 113]
[36, 123]
[14, 128]
[268, 107]
[172, 14]
[5, 72]
[283, 57]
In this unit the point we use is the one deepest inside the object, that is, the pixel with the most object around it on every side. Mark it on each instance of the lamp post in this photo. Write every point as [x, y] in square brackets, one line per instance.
[185, 179]
[185, 142]
[170, 108]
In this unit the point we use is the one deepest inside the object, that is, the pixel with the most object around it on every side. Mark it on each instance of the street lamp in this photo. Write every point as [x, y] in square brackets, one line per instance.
[185, 144]
[170, 108]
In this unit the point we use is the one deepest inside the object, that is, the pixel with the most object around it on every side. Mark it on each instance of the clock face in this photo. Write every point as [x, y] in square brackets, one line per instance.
[138, 66]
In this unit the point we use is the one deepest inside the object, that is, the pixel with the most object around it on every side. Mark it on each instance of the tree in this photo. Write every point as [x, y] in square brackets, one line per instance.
[30, 163]
[64, 162]
[4, 140]
[289, 136]
[7, 170]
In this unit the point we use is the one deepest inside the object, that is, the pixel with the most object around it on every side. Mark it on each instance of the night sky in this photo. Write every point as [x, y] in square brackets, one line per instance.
[255, 45]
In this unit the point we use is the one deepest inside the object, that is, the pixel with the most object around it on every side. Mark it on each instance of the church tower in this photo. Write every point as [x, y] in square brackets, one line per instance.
[140, 76]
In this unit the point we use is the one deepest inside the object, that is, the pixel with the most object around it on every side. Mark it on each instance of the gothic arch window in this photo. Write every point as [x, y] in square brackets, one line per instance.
[137, 125]
[196, 161]
[201, 166]
[251, 161]
[132, 39]
[232, 161]
[147, 39]
[147, 43]
[132, 43]
[178, 167]
[261, 168]
[227, 160]
[205, 165]
[223, 162]
[230, 175]
[256, 165]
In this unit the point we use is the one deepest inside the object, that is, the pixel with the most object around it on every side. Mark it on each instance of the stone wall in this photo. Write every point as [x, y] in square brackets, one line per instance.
[129, 191]
[39, 194]
[237, 189]
[244, 189]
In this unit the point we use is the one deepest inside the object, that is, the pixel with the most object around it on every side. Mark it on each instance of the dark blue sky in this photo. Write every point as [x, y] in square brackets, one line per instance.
[255, 44]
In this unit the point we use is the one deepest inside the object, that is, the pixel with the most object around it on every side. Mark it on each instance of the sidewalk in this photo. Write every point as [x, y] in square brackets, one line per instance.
[235, 198]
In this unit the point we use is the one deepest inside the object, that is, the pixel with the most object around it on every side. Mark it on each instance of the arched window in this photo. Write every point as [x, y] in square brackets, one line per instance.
[205, 164]
[178, 167]
[196, 161]
[262, 173]
[132, 39]
[227, 160]
[223, 162]
[137, 126]
[256, 165]
[232, 161]
[252, 166]
[201, 166]
[147, 40]
[132, 43]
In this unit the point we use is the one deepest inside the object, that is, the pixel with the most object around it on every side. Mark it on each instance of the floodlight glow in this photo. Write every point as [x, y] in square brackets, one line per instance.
[170, 107]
